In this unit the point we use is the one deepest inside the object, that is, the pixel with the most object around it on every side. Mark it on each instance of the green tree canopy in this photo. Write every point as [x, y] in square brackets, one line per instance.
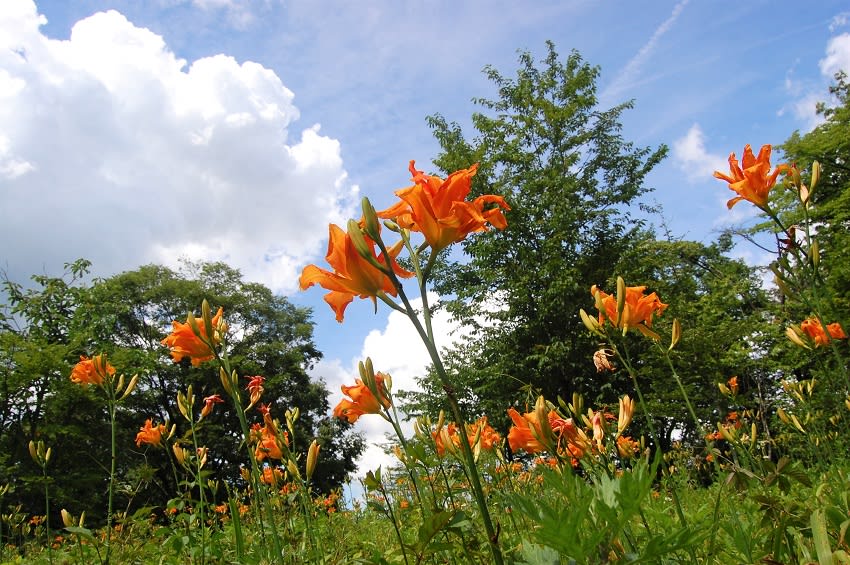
[571, 180]
[578, 218]
[126, 316]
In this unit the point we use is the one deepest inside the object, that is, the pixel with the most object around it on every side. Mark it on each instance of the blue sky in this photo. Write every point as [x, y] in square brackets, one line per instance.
[237, 130]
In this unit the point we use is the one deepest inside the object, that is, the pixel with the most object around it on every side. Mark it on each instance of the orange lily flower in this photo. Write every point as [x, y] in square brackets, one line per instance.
[438, 208]
[267, 445]
[732, 383]
[208, 404]
[754, 181]
[525, 432]
[488, 437]
[447, 434]
[183, 341]
[255, 387]
[150, 434]
[352, 274]
[813, 328]
[91, 371]
[637, 312]
[272, 476]
[362, 401]
[627, 447]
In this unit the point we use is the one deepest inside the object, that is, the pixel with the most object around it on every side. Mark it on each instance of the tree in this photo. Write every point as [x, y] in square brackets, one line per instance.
[829, 144]
[574, 184]
[126, 316]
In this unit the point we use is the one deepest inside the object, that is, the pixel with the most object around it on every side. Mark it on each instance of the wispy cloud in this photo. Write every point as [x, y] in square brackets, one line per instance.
[838, 21]
[632, 70]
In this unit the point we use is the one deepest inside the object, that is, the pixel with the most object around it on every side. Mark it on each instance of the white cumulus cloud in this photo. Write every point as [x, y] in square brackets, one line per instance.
[837, 55]
[115, 149]
[691, 155]
[395, 349]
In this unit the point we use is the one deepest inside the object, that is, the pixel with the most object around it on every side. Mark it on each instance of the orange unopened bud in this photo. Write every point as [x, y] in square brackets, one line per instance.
[202, 456]
[179, 454]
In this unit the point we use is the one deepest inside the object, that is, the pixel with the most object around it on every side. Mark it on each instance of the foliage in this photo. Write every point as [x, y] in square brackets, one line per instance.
[49, 326]
[829, 144]
[574, 184]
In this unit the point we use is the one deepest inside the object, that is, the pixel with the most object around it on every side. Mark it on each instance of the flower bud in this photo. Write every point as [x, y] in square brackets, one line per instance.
[621, 298]
[591, 324]
[540, 411]
[624, 415]
[814, 254]
[225, 381]
[293, 469]
[67, 519]
[370, 220]
[193, 324]
[359, 241]
[182, 405]
[206, 316]
[815, 176]
[202, 455]
[179, 454]
[130, 387]
[312, 458]
[677, 333]
[793, 333]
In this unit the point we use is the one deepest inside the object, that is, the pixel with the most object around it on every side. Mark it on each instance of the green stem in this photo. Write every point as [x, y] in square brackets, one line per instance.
[46, 512]
[428, 339]
[697, 422]
[198, 481]
[262, 496]
[393, 420]
[392, 517]
[110, 390]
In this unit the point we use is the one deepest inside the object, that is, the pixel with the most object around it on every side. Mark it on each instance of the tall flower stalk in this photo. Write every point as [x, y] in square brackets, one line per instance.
[97, 371]
[41, 456]
[797, 269]
[438, 209]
